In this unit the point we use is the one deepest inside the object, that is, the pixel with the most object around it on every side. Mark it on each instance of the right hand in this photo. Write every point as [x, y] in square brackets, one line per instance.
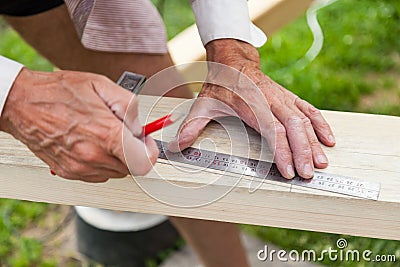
[73, 121]
[291, 126]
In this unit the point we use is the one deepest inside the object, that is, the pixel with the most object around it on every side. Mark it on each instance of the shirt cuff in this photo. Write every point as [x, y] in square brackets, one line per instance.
[9, 70]
[219, 19]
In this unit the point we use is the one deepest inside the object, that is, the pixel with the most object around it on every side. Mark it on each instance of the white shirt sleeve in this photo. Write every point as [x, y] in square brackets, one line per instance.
[219, 19]
[9, 70]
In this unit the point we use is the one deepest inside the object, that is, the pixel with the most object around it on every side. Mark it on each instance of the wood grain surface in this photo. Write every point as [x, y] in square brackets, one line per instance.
[367, 149]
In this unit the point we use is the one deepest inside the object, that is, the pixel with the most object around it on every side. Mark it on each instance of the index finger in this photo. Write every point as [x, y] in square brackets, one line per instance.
[320, 125]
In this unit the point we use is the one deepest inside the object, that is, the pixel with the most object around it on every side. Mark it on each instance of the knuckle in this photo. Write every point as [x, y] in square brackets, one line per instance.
[314, 112]
[89, 156]
[303, 153]
[322, 127]
[325, 125]
[77, 169]
[88, 152]
[283, 155]
[293, 121]
[306, 121]
[104, 132]
[314, 143]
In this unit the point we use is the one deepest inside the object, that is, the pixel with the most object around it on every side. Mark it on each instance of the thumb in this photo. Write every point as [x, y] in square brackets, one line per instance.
[201, 113]
[190, 129]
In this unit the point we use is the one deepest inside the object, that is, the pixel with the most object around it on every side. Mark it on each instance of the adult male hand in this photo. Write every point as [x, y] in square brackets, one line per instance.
[73, 122]
[293, 127]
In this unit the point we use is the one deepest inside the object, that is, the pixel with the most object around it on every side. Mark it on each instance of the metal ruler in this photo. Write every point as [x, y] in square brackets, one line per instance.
[255, 168]
[269, 171]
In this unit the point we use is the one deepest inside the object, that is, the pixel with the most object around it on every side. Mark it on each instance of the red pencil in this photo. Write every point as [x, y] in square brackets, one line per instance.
[161, 123]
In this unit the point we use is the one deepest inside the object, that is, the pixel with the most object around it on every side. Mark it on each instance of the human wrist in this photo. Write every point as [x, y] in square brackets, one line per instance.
[9, 70]
[14, 97]
[232, 52]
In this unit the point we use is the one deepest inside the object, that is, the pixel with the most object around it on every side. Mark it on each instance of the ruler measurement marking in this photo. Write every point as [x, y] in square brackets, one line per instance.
[255, 168]
[268, 171]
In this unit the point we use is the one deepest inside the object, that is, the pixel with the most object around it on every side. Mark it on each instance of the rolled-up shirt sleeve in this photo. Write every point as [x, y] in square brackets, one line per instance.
[9, 70]
[220, 19]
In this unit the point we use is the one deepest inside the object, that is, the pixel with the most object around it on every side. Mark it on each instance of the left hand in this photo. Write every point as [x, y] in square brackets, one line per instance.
[73, 121]
[293, 129]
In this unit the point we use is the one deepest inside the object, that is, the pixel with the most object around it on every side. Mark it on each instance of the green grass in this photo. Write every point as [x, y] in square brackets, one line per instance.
[361, 38]
[16, 250]
[13, 47]
[360, 55]
[177, 15]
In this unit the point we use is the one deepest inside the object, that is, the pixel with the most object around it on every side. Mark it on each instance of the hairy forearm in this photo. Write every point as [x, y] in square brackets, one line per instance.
[232, 51]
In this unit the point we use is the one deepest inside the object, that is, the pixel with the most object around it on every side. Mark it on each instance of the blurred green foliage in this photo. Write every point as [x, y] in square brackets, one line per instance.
[362, 38]
[360, 55]
[16, 250]
[177, 15]
[13, 47]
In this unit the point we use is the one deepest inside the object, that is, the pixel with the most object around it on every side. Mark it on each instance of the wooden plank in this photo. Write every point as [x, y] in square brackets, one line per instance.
[367, 148]
[269, 16]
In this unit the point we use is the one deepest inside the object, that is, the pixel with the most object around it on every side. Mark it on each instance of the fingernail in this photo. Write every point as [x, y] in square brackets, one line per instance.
[308, 171]
[322, 159]
[331, 139]
[290, 171]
